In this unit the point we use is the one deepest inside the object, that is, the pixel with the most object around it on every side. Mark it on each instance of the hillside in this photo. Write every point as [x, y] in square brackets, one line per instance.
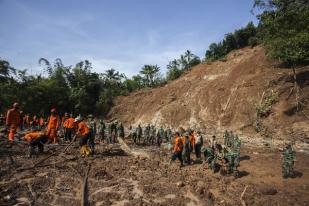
[223, 95]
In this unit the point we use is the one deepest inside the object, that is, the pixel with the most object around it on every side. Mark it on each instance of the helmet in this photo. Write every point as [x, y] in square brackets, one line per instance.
[66, 114]
[78, 119]
[15, 105]
[90, 116]
[53, 110]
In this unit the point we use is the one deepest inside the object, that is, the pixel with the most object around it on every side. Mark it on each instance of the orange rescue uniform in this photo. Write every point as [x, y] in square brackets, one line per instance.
[69, 123]
[192, 140]
[52, 127]
[13, 120]
[83, 129]
[178, 144]
[32, 136]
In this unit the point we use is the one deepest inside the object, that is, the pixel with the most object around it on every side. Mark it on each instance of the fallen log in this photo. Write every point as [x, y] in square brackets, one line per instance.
[84, 198]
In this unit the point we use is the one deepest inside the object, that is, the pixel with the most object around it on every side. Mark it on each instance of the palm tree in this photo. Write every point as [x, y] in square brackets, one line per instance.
[149, 72]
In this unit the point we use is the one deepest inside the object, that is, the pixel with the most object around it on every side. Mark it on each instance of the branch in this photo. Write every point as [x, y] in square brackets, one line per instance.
[243, 203]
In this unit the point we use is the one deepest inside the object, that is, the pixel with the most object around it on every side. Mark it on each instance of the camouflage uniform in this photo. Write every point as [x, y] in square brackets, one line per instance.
[160, 136]
[147, 134]
[101, 129]
[120, 130]
[92, 132]
[153, 133]
[169, 134]
[288, 158]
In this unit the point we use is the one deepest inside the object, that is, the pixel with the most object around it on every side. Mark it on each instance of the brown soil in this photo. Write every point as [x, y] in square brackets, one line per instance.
[116, 178]
[223, 95]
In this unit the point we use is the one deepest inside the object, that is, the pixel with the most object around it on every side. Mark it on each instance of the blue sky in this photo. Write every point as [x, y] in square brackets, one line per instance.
[120, 34]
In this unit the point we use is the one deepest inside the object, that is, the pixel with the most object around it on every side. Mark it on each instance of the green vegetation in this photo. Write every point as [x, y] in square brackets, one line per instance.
[240, 38]
[283, 28]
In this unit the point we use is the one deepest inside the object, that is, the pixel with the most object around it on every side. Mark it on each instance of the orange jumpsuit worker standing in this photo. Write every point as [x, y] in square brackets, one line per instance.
[13, 120]
[53, 125]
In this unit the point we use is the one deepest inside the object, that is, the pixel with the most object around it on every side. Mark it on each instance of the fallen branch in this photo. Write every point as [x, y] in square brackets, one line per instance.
[84, 199]
[243, 203]
[305, 115]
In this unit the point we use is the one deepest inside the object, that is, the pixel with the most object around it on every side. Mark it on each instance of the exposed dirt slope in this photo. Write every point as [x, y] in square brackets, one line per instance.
[223, 95]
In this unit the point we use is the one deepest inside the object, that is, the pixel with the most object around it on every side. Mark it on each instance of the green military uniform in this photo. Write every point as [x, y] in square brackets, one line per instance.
[120, 130]
[147, 134]
[93, 130]
[101, 129]
[288, 159]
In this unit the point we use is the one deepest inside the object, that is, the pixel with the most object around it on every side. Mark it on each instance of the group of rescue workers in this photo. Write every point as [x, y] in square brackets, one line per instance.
[219, 157]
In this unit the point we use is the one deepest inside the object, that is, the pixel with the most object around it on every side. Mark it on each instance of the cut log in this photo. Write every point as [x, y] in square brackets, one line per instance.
[84, 189]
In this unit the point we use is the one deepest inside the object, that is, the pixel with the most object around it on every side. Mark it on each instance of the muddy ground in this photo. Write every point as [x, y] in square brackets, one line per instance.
[145, 178]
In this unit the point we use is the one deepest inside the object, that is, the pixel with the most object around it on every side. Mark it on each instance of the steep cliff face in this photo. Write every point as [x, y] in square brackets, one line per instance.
[223, 95]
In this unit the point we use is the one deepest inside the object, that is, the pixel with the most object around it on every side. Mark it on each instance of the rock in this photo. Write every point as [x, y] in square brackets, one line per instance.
[180, 184]
[268, 190]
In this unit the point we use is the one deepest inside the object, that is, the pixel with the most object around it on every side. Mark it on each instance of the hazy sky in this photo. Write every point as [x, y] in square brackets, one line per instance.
[120, 34]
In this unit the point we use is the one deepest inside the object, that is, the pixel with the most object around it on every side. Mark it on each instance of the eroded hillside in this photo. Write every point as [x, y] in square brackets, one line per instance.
[223, 95]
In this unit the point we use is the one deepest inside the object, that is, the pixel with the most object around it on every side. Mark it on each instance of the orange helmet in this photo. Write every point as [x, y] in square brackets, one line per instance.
[15, 105]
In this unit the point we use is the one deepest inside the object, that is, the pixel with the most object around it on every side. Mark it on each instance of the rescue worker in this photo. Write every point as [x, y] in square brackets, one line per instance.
[13, 121]
[53, 126]
[34, 139]
[83, 134]
[92, 125]
[101, 130]
[68, 126]
[232, 159]
[177, 151]
[192, 140]
[288, 159]
[113, 129]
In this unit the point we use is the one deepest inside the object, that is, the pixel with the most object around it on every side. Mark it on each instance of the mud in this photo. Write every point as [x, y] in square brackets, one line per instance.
[120, 178]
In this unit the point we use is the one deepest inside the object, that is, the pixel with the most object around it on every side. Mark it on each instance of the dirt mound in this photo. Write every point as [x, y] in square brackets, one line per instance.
[223, 95]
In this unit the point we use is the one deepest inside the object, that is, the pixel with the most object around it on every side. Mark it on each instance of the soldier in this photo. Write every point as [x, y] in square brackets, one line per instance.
[226, 137]
[186, 148]
[288, 159]
[169, 134]
[213, 142]
[209, 155]
[147, 134]
[92, 125]
[113, 126]
[139, 133]
[160, 136]
[133, 134]
[198, 145]
[232, 159]
[120, 130]
[153, 133]
[101, 129]
[109, 133]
